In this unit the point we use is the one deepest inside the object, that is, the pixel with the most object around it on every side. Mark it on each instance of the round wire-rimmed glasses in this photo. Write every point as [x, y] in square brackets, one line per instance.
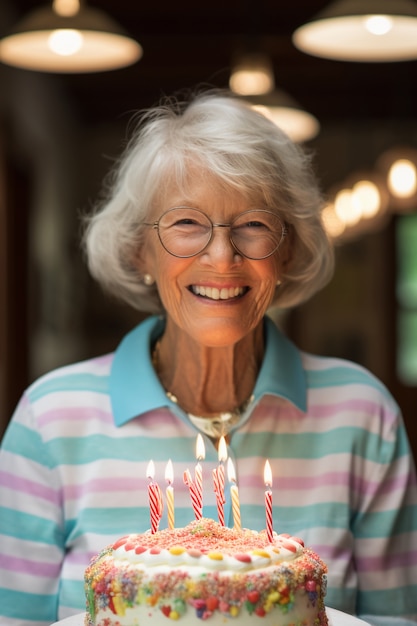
[185, 232]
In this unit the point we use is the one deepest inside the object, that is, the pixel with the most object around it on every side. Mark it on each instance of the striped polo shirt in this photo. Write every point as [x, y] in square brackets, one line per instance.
[73, 475]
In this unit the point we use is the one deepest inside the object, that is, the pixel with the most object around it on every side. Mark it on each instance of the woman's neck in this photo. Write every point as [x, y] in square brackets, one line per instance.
[208, 380]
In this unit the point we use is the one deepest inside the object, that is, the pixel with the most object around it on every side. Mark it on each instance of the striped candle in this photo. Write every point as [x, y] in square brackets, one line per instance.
[196, 501]
[198, 474]
[268, 501]
[169, 477]
[155, 498]
[219, 479]
[219, 491]
[234, 494]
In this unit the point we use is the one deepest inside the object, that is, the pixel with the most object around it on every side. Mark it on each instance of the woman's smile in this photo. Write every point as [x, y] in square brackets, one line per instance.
[218, 293]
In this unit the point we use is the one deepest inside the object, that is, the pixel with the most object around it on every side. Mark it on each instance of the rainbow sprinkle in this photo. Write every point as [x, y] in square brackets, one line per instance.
[119, 584]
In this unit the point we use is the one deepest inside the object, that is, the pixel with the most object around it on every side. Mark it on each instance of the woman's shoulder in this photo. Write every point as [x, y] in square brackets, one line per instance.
[83, 375]
[340, 373]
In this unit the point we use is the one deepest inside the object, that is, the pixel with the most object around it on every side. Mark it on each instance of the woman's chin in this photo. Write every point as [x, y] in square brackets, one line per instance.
[220, 333]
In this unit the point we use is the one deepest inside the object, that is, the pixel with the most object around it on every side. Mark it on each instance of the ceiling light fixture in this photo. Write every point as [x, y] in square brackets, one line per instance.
[286, 113]
[362, 31]
[68, 37]
[252, 74]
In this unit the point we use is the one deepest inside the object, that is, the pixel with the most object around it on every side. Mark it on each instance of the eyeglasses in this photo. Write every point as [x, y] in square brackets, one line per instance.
[185, 232]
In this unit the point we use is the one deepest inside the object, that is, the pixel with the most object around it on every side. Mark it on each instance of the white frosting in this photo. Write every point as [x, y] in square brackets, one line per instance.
[208, 573]
[271, 554]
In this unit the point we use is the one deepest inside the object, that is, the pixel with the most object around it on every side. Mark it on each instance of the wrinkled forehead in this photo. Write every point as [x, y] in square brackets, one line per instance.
[195, 183]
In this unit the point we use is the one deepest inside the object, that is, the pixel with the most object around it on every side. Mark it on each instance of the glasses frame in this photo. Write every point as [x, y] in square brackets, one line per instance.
[155, 226]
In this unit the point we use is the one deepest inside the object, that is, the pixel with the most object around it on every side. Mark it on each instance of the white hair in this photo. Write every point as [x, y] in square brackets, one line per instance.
[245, 152]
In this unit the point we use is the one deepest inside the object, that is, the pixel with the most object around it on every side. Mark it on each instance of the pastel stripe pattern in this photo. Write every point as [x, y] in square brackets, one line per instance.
[73, 475]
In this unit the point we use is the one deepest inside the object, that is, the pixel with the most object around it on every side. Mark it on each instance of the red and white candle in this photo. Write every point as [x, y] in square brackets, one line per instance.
[195, 499]
[195, 486]
[155, 498]
[268, 501]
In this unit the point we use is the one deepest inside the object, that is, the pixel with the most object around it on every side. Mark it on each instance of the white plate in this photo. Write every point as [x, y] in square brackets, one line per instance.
[336, 618]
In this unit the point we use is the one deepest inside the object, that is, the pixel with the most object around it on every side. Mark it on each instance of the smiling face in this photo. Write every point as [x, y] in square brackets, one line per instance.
[216, 297]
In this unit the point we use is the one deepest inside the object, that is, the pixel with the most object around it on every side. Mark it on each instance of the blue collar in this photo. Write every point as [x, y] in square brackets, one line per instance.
[135, 388]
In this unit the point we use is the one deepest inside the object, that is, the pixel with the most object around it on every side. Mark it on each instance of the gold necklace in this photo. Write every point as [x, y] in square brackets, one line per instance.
[213, 426]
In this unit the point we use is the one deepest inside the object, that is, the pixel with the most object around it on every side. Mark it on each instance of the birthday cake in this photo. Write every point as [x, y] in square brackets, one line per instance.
[206, 571]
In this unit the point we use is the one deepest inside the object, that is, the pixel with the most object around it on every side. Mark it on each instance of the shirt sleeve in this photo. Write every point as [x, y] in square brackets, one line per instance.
[31, 525]
[385, 527]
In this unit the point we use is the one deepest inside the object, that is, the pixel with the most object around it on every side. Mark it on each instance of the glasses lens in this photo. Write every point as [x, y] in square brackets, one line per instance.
[257, 234]
[184, 232]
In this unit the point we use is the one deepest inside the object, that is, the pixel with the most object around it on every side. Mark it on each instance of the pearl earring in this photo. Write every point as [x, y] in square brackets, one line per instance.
[279, 282]
[148, 280]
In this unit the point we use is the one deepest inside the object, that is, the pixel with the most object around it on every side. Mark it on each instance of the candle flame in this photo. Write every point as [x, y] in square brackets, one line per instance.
[200, 448]
[267, 474]
[150, 470]
[222, 450]
[169, 473]
[187, 477]
[231, 474]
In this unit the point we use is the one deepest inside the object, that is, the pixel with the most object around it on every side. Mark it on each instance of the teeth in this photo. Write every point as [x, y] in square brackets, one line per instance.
[214, 293]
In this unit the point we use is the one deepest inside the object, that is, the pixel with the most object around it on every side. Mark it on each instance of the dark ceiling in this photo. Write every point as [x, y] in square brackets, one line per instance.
[188, 42]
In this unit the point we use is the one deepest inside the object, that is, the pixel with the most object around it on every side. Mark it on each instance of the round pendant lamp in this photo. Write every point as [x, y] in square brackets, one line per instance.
[69, 37]
[252, 74]
[287, 114]
[362, 31]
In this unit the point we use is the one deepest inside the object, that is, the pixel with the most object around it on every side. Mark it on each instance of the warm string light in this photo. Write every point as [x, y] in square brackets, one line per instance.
[169, 477]
[402, 178]
[155, 498]
[219, 480]
[268, 501]
[364, 201]
[234, 494]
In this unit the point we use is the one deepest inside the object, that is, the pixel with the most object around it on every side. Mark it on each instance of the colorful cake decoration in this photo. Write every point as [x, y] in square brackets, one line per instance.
[206, 570]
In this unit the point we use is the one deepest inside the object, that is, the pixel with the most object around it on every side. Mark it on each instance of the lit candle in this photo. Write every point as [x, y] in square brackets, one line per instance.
[198, 476]
[219, 479]
[195, 499]
[169, 477]
[234, 493]
[268, 501]
[155, 498]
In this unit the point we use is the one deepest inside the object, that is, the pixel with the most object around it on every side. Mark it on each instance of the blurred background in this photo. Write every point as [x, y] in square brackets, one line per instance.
[61, 131]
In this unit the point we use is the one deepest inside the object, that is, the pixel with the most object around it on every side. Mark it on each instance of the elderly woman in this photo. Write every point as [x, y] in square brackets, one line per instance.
[212, 218]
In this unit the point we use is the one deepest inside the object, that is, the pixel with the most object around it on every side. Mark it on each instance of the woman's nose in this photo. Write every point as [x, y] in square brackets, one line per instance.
[220, 250]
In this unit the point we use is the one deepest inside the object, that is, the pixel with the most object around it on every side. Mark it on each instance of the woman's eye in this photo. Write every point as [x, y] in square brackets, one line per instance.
[188, 222]
[254, 224]
[183, 221]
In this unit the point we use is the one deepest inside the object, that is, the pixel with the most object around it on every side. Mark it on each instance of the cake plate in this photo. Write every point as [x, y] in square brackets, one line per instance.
[336, 618]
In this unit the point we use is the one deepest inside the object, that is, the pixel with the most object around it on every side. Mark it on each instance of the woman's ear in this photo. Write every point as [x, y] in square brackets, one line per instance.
[142, 255]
